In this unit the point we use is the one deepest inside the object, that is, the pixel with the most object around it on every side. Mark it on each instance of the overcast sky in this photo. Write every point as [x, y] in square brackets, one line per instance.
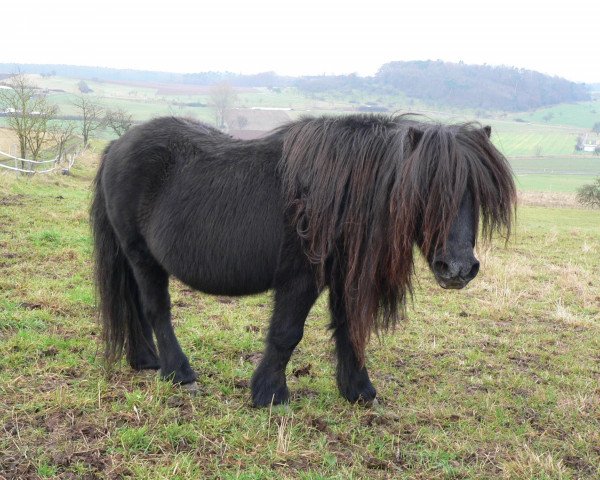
[304, 36]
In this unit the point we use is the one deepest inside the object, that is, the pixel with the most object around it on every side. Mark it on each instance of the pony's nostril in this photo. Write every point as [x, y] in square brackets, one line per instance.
[441, 267]
[474, 271]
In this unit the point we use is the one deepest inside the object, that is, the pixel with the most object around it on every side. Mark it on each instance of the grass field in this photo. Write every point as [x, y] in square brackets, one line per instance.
[552, 183]
[580, 114]
[533, 140]
[500, 380]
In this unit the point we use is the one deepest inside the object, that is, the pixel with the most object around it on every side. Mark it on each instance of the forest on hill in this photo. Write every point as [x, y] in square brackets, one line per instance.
[479, 86]
[435, 82]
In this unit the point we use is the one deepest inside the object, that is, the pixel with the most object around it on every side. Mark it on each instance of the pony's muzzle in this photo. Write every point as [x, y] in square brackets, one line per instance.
[454, 273]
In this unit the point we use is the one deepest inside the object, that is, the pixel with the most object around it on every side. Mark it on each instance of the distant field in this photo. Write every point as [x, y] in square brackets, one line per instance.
[581, 114]
[535, 140]
[574, 164]
[8, 141]
[552, 183]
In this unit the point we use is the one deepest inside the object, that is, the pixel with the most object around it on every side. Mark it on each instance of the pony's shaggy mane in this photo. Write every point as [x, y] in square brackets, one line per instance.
[362, 190]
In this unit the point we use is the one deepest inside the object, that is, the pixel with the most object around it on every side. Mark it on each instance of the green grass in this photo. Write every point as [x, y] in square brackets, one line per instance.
[524, 140]
[574, 164]
[555, 174]
[552, 183]
[580, 114]
[499, 380]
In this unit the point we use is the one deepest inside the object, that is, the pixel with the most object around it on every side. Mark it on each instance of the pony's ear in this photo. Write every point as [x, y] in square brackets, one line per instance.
[414, 136]
[487, 130]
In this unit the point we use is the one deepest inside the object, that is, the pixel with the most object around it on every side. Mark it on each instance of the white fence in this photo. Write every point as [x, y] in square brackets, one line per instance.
[62, 162]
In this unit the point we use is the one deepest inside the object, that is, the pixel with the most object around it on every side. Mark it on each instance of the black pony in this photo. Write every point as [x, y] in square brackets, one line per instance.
[320, 202]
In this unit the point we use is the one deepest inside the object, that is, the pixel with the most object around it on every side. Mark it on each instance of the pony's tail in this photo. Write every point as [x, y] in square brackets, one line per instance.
[117, 292]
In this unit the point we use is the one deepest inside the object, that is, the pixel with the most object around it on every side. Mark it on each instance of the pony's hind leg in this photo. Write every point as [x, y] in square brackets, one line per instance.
[293, 300]
[352, 379]
[141, 353]
[153, 285]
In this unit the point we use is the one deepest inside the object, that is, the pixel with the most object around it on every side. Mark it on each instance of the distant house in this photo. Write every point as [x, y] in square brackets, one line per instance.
[585, 145]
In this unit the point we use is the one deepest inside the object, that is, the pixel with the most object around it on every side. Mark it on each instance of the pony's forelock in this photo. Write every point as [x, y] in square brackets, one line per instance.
[361, 190]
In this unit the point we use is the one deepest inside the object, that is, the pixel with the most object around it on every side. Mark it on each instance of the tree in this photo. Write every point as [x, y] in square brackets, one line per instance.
[222, 98]
[589, 194]
[39, 135]
[596, 128]
[92, 116]
[28, 114]
[119, 121]
[61, 134]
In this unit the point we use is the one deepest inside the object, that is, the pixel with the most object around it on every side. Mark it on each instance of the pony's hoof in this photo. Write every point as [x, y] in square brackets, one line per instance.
[181, 375]
[264, 397]
[365, 395]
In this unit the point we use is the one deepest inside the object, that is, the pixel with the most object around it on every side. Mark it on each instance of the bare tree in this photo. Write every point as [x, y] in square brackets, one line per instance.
[28, 113]
[60, 135]
[119, 121]
[222, 98]
[39, 135]
[92, 116]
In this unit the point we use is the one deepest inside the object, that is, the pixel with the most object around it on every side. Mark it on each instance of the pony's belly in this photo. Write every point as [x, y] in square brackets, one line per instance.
[231, 284]
[220, 267]
[221, 230]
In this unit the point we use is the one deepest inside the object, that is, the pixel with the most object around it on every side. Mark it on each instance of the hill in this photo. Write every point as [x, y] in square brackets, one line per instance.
[436, 82]
[479, 86]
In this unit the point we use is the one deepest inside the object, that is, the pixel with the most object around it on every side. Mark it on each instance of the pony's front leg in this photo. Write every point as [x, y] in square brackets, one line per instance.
[293, 299]
[352, 378]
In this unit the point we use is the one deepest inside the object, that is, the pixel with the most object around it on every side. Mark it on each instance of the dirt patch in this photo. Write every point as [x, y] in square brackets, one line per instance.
[253, 358]
[12, 200]
[388, 419]
[579, 464]
[302, 371]
[226, 300]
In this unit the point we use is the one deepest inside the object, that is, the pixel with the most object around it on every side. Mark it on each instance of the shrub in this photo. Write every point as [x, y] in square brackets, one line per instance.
[589, 195]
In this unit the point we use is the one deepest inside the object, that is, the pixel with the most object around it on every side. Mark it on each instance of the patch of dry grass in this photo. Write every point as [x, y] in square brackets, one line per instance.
[548, 199]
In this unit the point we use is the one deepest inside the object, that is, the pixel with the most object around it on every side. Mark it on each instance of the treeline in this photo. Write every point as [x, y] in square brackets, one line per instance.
[479, 86]
[435, 82]
[264, 79]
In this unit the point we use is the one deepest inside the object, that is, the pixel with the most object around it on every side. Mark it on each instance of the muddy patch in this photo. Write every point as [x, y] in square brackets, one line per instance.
[12, 200]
